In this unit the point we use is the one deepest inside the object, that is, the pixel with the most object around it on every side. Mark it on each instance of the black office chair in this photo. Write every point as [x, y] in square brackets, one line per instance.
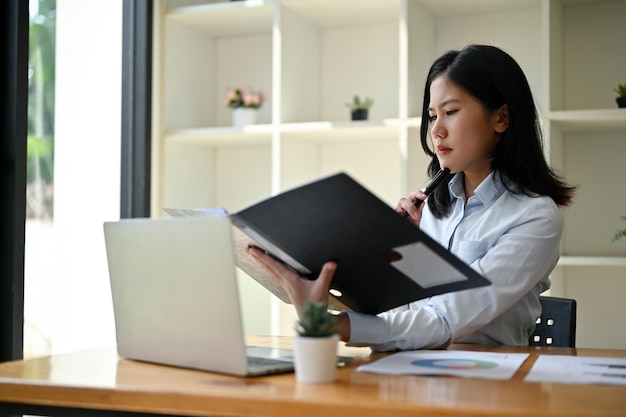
[557, 324]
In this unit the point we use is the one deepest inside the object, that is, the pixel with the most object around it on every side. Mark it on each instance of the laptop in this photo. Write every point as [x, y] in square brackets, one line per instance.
[175, 297]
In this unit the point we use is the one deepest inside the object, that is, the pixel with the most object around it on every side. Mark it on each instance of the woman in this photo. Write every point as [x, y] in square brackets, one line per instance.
[499, 212]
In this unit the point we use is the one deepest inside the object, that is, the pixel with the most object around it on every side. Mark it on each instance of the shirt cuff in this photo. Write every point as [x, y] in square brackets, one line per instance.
[365, 329]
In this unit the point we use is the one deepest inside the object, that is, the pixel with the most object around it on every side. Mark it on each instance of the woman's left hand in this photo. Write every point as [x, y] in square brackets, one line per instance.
[406, 206]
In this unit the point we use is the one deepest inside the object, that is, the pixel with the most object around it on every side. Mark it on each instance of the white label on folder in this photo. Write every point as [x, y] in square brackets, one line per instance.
[425, 267]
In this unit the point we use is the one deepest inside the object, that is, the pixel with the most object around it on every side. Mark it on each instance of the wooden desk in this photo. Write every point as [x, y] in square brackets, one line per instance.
[97, 382]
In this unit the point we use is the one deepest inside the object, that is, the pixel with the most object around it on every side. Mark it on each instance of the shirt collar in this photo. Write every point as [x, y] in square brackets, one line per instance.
[487, 191]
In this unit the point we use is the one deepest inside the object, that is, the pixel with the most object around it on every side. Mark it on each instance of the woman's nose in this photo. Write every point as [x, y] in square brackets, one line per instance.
[437, 129]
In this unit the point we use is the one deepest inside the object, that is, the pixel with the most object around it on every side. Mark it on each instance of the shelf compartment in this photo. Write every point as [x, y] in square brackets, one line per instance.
[195, 175]
[440, 8]
[224, 136]
[334, 13]
[332, 50]
[592, 261]
[593, 161]
[208, 49]
[226, 18]
[434, 27]
[582, 121]
[342, 131]
[586, 37]
[368, 151]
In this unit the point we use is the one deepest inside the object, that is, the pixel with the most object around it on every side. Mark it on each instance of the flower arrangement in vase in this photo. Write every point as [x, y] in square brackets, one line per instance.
[245, 103]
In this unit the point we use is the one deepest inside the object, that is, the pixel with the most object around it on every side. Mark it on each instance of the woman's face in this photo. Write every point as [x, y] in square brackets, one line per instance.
[463, 131]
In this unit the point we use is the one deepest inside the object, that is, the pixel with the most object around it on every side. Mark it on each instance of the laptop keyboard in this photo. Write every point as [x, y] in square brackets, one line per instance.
[257, 361]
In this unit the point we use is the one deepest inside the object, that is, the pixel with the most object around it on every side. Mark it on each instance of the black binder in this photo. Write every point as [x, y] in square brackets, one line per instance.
[383, 260]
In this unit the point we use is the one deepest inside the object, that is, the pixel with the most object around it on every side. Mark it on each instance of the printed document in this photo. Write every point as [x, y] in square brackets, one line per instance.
[468, 364]
[578, 370]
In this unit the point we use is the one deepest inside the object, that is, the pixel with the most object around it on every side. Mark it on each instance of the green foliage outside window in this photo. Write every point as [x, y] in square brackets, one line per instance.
[41, 90]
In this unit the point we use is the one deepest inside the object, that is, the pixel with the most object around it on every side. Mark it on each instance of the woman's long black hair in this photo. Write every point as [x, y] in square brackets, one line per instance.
[494, 78]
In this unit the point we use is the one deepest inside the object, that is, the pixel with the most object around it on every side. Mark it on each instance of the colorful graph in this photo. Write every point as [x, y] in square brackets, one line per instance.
[456, 364]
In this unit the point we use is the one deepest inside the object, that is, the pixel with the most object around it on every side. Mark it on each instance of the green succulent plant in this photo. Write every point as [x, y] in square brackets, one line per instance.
[620, 90]
[316, 321]
[358, 104]
[620, 233]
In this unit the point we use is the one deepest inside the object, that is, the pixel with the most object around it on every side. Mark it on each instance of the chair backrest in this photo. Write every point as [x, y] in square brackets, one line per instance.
[557, 324]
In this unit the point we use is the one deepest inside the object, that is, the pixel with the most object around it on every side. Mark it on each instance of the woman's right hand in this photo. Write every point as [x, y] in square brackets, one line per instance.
[406, 206]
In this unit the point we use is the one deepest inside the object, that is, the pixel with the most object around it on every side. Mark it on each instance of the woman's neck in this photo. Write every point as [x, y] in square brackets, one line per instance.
[471, 181]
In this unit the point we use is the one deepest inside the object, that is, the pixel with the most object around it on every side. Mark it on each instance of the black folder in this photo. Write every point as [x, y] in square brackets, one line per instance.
[384, 261]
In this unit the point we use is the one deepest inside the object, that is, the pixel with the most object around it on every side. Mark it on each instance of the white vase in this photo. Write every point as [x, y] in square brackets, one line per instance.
[315, 359]
[243, 116]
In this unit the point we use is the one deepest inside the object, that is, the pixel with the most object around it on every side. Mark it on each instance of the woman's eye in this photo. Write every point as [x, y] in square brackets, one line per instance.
[433, 117]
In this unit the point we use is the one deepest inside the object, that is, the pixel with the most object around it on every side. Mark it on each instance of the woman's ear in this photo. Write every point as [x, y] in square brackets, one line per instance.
[502, 120]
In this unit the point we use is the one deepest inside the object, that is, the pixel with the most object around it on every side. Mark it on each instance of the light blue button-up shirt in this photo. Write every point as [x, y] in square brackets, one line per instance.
[512, 240]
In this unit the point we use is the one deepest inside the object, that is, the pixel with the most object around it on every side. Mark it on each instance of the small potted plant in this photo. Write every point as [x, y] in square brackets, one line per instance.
[245, 103]
[621, 95]
[359, 109]
[315, 346]
[620, 232]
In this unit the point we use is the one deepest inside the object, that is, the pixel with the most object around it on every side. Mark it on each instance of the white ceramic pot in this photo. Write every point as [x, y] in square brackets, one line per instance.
[315, 359]
[243, 116]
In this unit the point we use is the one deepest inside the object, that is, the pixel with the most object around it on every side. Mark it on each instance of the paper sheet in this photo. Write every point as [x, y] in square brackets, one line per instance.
[458, 363]
[578, 370]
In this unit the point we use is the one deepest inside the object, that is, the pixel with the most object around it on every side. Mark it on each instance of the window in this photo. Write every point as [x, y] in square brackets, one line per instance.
[73, 172]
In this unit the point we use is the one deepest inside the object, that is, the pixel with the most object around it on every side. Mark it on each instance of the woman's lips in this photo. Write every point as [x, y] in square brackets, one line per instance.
[443, 150]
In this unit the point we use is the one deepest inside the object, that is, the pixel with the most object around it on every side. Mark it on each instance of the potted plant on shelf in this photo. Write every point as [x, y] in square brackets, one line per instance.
[245, 103]
[621, 95]
[620, 232]
[359, 109]
[315, 345]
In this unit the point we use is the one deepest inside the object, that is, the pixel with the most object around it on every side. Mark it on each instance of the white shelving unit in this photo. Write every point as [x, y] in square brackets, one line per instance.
[313, 55]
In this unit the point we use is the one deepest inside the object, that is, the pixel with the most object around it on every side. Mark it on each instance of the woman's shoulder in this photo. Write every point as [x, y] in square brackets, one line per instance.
[520, 205]
[540, 211]
[528, 201]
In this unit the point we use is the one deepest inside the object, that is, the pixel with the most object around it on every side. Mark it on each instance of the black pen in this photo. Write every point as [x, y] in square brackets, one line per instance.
[430, 187]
